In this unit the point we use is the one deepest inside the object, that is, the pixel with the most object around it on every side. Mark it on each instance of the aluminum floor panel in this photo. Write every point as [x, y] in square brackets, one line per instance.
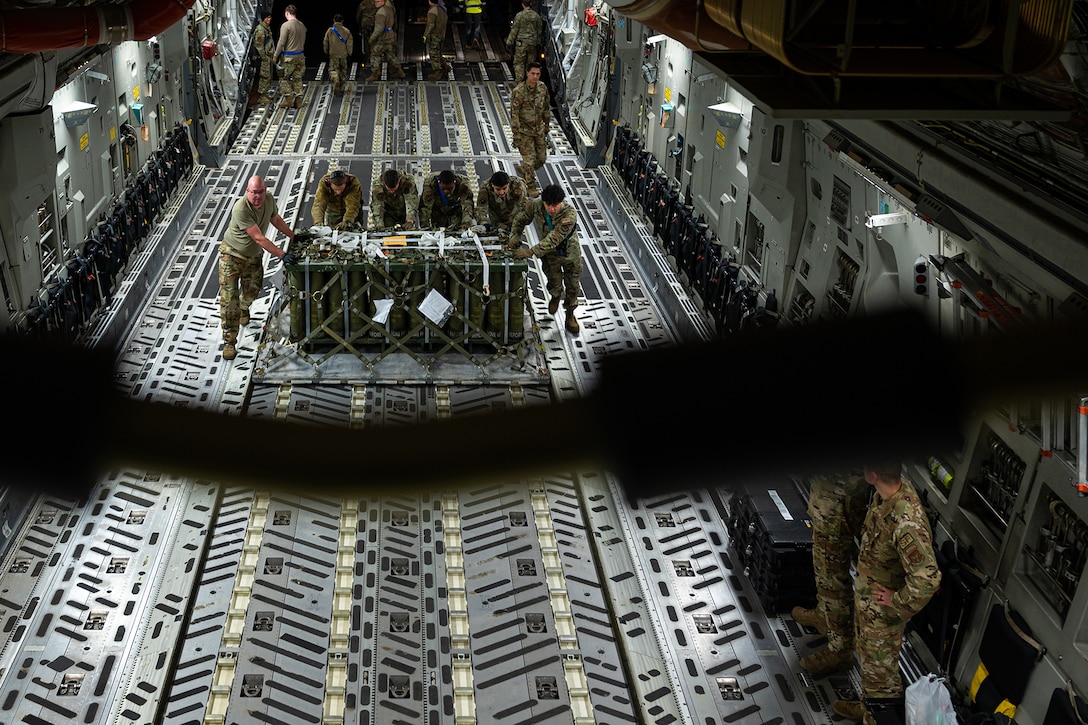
[94, 634]
[516, 649]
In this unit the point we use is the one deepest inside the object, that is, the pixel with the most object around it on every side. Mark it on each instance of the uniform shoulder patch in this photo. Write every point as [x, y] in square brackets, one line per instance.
[909, 546]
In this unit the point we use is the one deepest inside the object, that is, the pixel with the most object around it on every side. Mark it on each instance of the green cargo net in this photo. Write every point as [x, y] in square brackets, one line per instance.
[419, 293]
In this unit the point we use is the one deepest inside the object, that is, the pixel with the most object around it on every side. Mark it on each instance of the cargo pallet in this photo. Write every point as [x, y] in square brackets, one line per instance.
[408, 304]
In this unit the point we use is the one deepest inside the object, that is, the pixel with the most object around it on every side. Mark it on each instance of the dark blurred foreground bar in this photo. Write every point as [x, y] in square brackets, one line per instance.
[742, 411]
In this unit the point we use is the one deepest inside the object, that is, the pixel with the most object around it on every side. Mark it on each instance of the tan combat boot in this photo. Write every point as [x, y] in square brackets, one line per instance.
[436, 75]
[572, 323]
[809, 618]
[529, 176]
[287, 102]
[229, 351]
[398, 72]
[849, 709]
[553, 305]
[298, 101]
[827, 662]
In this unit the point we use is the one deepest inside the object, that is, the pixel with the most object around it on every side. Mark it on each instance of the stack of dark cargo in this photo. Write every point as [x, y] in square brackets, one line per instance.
[771, 534]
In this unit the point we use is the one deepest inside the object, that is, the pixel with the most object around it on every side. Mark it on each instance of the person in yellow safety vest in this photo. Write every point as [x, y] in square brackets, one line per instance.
[474, 14]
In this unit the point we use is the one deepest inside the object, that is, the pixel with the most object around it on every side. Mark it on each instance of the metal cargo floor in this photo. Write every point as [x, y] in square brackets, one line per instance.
[541, 600]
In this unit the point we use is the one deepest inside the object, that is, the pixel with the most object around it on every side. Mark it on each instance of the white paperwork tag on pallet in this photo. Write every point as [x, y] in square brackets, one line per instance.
[436, 308]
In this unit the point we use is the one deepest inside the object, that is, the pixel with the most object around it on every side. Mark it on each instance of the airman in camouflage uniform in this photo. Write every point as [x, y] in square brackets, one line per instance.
[530, 111]
[241, 257]
[499, 199]
[337, 201]
[559, 249]
[523, 42]
[897, 575]
[262, 41]
[434, 35]
[394, 202]
[364, 15]
[446, 202]
[338, 46]
[290, 54]
[383, 42]
[836, 507]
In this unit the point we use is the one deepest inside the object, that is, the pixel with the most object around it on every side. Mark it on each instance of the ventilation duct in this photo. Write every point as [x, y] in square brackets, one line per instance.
[40, 29]
[950, 38]
[27, 82]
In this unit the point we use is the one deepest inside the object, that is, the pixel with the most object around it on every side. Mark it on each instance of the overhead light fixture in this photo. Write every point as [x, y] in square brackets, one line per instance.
[727, 115]
[934, 210]
[78, 113]
[837, 141]
[654, 39]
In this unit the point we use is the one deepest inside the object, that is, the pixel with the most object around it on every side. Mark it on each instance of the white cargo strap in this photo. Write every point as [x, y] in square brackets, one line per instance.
[1073, 702]
[483, 261]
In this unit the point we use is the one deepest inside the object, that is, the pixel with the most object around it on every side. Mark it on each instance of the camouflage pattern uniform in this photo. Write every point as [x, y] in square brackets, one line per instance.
[241, 263]
[530, 109]
[897, 553]
[523, 42]
[557, 235]
[435, 35]
[836, 506]
[390, 210]
[262, 41]
[330, 208]
[499, 211]
[364, 15]
[289, 54]
[338, 46]
[453, 214]
[383, 44]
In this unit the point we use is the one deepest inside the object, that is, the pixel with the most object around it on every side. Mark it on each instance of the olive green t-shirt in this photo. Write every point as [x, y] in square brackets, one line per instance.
[242, 217]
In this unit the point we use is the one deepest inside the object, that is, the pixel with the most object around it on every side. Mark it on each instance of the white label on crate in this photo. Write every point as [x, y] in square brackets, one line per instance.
[381, 310]
[780, 504]
[436, 308]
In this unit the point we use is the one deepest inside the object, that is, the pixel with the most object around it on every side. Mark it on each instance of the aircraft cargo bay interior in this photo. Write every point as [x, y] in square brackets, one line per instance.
[422, 486]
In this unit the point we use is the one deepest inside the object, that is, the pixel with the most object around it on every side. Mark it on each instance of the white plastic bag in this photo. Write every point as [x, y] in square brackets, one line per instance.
[929, 702]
